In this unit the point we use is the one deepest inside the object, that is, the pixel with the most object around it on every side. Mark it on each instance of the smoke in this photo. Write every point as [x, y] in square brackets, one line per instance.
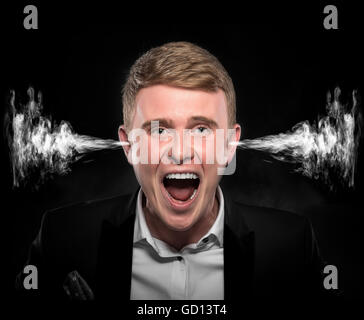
[326, 150]
[40, 149]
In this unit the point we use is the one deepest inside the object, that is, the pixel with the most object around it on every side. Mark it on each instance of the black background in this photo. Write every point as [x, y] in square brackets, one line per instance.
[282, 62]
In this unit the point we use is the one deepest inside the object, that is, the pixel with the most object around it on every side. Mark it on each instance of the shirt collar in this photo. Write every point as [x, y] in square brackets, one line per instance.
[141, 230]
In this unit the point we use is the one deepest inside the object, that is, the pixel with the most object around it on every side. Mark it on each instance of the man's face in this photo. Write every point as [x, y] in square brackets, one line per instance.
[180, 187]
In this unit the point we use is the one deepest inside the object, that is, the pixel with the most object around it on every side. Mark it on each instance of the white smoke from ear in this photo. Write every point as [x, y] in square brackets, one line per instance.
[325, 150]
[39, 148]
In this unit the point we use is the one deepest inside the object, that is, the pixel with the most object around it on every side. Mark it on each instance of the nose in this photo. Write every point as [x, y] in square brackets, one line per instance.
[181, 151]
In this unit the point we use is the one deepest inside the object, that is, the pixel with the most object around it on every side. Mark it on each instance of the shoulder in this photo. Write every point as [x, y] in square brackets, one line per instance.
[70, 232]
[92, 211]
[270, 223]
[278, 216]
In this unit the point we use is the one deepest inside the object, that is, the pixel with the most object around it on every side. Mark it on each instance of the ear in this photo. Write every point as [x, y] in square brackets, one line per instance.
[233, 137]
[123, 137]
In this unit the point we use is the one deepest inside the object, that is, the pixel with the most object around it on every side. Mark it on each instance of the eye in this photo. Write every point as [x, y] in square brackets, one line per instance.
[201, 131]
[160, 131]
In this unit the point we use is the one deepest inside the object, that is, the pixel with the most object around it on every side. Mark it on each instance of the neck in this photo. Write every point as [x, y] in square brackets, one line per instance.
[179, 239]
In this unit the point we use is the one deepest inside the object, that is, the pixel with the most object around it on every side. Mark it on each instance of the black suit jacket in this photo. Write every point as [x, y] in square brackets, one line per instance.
[267, 252]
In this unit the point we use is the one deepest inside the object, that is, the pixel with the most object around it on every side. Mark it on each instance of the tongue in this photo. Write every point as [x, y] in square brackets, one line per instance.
[179, 189]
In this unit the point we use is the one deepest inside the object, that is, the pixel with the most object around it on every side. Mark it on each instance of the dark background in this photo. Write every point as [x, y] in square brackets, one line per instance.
[282, 62]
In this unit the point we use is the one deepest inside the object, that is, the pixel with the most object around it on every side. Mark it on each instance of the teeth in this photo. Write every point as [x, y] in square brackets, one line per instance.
[182, 176]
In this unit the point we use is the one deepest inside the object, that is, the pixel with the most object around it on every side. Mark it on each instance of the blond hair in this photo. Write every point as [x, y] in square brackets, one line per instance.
[179, 64]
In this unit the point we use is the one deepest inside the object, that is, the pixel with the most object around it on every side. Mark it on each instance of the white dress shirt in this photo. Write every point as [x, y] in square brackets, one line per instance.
[161, 272]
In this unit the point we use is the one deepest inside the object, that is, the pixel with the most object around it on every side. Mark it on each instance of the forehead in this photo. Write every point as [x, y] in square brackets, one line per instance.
[179, 104]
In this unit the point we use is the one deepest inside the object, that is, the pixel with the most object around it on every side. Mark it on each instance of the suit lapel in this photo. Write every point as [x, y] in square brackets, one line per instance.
[238, 254]
[114, 266]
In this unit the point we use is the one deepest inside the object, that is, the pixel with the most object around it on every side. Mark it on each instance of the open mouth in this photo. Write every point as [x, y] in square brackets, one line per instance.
[181, 188]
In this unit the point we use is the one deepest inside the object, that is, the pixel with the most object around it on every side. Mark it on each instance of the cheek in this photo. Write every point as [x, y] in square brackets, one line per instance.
[211, 177]
[212, 150]
[204, 149]
[209, 150]
[221, 146]
[145, 174]
[153, 150]
[159, 148]
[139, 151]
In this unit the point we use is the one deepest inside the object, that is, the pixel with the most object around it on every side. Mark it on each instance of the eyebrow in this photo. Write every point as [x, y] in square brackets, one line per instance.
[168, 123]
[162, 122]
[211, 123]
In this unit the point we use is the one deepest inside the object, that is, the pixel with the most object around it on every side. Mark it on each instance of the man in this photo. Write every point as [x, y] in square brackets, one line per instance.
[179, 236]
